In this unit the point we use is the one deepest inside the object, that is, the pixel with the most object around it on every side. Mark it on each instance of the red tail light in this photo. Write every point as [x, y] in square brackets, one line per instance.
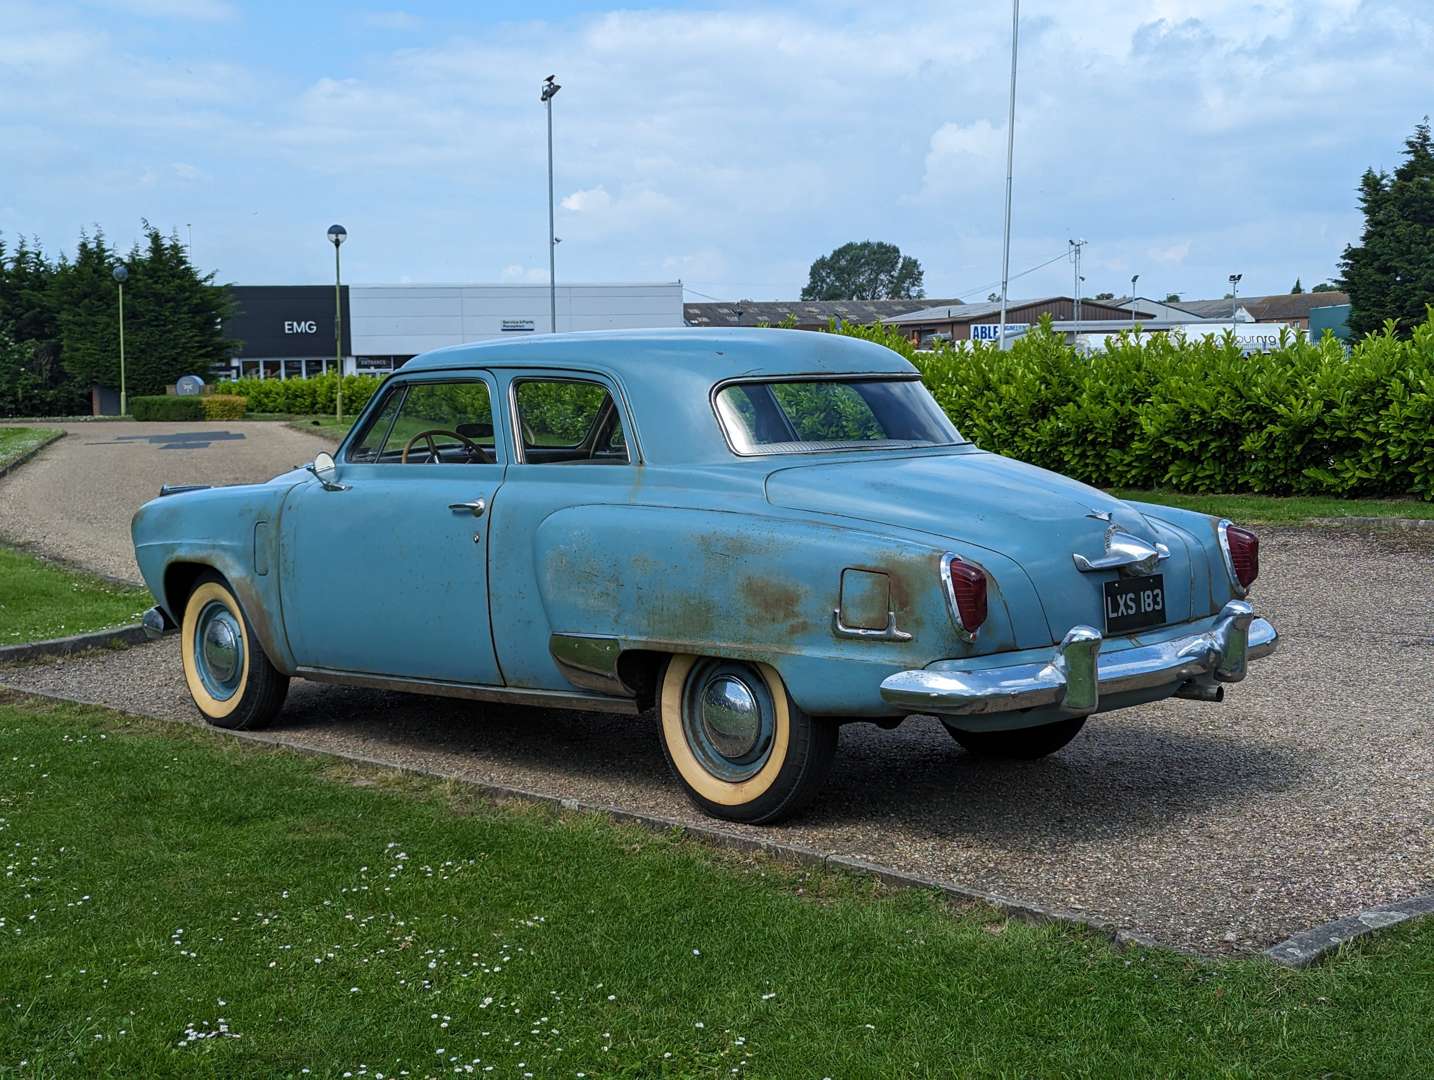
[1243, 548]
[967, 583]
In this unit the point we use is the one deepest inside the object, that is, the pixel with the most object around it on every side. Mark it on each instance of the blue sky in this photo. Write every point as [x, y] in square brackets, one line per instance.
[726, 145]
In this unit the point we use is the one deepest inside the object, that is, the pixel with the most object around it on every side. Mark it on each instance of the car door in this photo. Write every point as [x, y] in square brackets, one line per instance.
[386, 571]
[573, 446]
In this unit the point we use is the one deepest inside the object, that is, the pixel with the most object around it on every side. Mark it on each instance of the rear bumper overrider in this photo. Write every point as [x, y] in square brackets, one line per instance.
[1076, 676]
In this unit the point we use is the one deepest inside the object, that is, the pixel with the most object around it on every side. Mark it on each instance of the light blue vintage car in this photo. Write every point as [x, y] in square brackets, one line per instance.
[761, 533]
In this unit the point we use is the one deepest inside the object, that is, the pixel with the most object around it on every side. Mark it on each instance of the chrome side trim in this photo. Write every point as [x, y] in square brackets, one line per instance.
[589, 661]
[1077, 675]
[552, 699]
[859, 633]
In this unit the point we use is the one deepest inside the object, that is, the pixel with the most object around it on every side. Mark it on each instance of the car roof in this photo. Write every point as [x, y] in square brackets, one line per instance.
[713, 353]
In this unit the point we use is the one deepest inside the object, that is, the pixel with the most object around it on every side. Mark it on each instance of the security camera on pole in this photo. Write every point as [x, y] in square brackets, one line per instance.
[549, 91]
[337, 235]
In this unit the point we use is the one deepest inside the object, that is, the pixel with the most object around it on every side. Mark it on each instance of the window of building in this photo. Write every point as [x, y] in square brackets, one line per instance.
[429, 423]
[569, 421]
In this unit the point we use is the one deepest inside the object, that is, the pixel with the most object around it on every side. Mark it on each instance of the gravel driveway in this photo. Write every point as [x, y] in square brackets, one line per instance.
[1305, 796]
[75, 500]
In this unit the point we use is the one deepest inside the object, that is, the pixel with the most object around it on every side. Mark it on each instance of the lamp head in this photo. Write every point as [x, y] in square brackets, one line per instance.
[120, 274]
[550, 87]
[337, 234]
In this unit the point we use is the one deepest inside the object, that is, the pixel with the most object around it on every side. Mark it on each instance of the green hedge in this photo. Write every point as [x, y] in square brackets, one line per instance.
[1198, 416]
[166, 407]
[223, 406]
[303, 396]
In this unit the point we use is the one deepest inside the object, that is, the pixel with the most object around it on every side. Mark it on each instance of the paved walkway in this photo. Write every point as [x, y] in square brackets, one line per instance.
[1225, 828]
[76, 499]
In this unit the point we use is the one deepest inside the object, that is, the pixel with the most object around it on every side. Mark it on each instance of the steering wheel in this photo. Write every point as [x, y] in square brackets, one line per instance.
[474, 450]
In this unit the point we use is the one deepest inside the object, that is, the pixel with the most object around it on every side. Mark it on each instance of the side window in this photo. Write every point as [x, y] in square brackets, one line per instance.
[569, 421]
[430, 423]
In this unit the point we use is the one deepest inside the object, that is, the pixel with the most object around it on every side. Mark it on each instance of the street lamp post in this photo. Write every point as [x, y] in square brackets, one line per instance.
[1010, 154]
[120, 276]
[1133, 279]
[337, 235]
[549, 91]
[1234, 293]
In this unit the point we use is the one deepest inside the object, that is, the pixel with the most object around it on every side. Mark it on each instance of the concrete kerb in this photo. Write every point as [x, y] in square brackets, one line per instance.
[6, 470]
[1298, 951]
[132, 634]
[1315, 944]
[1377, 522]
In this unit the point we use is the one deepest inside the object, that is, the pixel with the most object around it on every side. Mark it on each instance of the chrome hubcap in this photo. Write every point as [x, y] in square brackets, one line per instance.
[728, 719]
[219, 650]
[730, 716]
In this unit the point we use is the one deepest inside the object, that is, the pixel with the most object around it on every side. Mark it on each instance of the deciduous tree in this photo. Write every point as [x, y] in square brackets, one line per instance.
[868, 270]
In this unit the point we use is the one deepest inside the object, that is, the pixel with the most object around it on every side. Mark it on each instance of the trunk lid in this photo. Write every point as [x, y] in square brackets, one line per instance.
[1037, 518]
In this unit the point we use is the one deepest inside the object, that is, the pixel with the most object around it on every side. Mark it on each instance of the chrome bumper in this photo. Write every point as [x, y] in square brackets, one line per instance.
[1077, 675]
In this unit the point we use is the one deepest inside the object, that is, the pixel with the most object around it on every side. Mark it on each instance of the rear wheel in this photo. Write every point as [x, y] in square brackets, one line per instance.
[736, 741]
[231, 680]
[1022, 744]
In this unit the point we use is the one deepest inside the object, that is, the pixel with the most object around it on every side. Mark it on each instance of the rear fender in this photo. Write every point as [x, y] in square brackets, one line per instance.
[756, 587]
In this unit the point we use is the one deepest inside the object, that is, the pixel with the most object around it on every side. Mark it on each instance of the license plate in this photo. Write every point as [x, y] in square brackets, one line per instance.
[1133, 603]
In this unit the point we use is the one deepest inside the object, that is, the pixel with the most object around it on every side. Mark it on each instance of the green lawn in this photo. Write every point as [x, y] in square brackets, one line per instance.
[40, 599]
[17, 441]
[325, 426]
[1277, 510]
[175, 904]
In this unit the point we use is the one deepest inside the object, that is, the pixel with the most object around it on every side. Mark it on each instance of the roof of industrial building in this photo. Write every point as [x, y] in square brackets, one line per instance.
[806, 312]
[1267, 308]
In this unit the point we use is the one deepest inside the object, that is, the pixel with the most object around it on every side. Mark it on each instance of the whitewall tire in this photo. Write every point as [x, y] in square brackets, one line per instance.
[737, 743]
[232, 682]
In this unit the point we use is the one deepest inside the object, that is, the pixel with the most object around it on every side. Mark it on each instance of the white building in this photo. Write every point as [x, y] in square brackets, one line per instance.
[287, 331]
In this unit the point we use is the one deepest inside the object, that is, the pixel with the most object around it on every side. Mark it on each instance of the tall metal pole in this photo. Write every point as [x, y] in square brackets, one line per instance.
[338, 340]
[337, 235]
[552, 235]
[124, 402]
[1010, 155]
[1133, 279]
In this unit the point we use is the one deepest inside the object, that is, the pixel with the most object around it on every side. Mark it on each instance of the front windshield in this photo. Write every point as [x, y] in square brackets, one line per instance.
[795, 416]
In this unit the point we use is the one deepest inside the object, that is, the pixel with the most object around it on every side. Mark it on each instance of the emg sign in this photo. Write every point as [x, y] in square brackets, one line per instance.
[300, 326]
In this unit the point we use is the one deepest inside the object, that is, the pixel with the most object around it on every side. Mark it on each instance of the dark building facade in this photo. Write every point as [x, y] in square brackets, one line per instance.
[286, 331]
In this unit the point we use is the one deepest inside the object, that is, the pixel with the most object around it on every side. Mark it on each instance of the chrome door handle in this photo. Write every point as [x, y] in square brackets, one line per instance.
[476, 507]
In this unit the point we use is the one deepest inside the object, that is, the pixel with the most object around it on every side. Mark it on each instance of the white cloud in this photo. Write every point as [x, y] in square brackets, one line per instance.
[1169, 134]
[593, 200]
[1173, 254]
[960, 158]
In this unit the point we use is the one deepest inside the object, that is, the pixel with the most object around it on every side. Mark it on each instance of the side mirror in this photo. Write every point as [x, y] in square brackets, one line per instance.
[325, 469]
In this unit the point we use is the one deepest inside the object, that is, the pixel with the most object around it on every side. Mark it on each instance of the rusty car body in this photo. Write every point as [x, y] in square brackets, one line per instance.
[762, 533]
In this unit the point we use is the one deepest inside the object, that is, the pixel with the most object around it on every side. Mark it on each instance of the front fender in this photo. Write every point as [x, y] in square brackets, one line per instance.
[232, 530]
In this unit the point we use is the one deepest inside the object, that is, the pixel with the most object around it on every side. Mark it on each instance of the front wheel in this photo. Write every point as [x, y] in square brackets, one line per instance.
[231, 680]
[1021, 744]
[737, 743]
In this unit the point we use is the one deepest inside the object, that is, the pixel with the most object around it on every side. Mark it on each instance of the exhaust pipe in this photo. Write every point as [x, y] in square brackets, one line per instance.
[1205, 689]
